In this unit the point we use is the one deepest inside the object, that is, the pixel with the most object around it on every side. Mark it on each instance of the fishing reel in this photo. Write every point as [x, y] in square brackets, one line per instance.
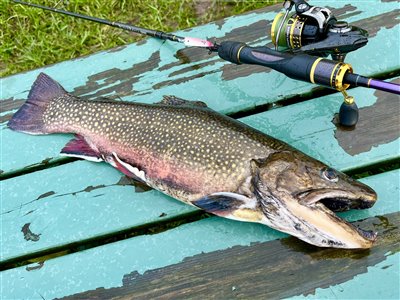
[315, 30]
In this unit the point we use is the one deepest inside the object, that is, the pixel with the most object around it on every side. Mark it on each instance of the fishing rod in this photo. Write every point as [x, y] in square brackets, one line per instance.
[309, 30]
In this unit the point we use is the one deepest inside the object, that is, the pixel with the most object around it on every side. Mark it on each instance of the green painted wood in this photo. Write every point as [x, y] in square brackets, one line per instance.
[145, 71]
[70, 218]
[120, 264]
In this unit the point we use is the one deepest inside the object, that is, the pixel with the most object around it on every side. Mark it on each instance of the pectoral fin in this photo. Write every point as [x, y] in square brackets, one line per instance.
[231, 205]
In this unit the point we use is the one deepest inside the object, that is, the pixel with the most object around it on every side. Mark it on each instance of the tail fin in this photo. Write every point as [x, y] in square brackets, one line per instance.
[29, 118]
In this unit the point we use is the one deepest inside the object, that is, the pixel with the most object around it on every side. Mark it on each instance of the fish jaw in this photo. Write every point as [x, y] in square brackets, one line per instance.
[296, 198]
[314, 224]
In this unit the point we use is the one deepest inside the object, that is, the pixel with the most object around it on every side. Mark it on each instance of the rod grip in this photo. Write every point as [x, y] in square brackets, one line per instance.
[302, 67]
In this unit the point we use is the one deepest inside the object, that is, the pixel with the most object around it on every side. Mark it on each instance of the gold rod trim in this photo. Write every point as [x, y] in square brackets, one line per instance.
[313, 67]
[238, 54]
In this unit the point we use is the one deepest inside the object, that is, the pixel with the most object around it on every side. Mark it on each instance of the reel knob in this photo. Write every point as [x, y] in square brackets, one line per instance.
[348, 112]
[340, 27]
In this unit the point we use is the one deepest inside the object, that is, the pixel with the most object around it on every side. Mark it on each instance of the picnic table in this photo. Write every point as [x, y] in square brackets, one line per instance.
[76, 229]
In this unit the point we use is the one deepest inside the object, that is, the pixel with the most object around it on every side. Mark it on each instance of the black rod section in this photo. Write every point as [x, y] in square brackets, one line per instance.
[149, 32]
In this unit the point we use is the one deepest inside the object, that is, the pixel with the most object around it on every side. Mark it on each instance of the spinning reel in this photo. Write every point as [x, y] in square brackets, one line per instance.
[315, 30]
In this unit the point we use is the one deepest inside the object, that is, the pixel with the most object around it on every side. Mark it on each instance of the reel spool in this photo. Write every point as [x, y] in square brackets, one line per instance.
[315, 31]
[299, 29]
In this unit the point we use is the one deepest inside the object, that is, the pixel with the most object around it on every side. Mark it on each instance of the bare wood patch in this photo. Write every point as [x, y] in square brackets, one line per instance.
[115, 80]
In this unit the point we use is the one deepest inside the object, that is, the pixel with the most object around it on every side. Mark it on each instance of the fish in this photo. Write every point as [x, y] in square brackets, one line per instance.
[205, 159]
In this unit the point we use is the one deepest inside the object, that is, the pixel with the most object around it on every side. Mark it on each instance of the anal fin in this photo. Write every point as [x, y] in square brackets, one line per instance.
[78, 147]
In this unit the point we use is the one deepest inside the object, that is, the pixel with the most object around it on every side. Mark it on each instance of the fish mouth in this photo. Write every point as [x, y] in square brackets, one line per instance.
[338, 200]
[310, 216]
[343, 204]
[329, 201]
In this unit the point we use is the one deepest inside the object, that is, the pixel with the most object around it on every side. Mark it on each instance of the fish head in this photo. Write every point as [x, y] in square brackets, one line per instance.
[298, 195]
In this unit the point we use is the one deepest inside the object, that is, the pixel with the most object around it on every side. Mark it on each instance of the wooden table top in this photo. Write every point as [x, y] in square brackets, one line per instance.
[77, 229]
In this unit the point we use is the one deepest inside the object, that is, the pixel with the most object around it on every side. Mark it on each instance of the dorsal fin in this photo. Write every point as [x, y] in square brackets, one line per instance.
[176, 101]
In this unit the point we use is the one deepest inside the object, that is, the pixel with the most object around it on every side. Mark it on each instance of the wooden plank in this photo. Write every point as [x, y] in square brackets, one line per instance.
[249, 261]
[61, 221]
[144, 72]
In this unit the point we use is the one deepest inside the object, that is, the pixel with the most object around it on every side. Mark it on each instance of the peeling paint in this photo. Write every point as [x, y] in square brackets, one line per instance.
[376, 23]
[48, 194]
[139, 186]
[88, 189]
[10, 104]
[39, 265]
[181, 80]
[117, 49]
[28, 234]
[29, 212]
[115, 80]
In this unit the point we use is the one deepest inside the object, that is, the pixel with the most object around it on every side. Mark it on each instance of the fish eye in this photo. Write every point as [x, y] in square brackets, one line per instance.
[330, 174]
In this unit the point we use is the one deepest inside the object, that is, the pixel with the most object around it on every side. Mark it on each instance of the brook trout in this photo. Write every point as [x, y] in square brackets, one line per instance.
[205, 159]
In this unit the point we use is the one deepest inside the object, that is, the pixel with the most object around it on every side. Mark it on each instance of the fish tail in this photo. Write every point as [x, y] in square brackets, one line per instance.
[29, 118]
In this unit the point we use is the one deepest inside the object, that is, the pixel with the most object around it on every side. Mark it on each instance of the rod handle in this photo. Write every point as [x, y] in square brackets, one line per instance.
[302, 67]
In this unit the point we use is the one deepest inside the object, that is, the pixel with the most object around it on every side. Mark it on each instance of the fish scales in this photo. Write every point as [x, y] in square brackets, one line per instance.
[189, 147]
[205, 159]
